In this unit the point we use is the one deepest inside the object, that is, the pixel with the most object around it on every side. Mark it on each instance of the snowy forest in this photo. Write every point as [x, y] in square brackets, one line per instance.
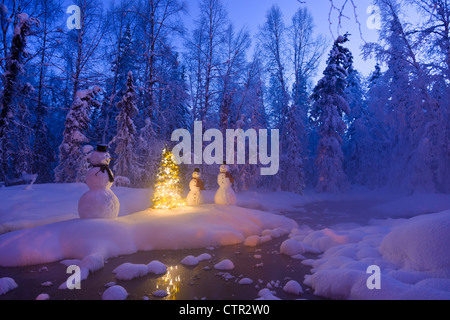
[131, 73]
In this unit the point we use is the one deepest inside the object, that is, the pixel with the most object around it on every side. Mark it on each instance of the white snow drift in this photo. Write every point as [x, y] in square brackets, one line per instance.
[7, 284]
[183, 228]
[412, 255]
[48, 203]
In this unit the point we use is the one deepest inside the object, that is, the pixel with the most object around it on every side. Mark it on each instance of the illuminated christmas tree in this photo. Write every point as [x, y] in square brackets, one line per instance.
[167, 193]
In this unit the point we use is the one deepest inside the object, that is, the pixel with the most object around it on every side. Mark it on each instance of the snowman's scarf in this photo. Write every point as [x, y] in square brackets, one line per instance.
[103, 168]
[199, 183]
[229, 176]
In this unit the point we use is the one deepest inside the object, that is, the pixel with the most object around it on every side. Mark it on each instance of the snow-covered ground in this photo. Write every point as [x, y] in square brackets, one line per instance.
[406, 236]
[54, 232]
[411, 254]
[46, 203]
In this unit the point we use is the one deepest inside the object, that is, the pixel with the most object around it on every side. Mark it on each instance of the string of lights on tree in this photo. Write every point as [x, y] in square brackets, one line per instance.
[167, 194]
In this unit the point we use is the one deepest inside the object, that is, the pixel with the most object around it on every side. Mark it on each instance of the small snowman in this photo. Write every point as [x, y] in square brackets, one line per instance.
[195, 197]
[99, 202]
[225, 194]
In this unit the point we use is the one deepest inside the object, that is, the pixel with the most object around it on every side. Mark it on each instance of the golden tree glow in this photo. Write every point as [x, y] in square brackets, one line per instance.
[167, 193]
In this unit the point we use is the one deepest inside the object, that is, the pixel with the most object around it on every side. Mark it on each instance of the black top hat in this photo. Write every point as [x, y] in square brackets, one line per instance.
[102, 148]
[196, 170]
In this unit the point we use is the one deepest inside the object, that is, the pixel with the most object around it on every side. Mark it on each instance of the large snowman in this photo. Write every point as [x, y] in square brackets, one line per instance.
[195, 196]
[225, 194]
[99, 202]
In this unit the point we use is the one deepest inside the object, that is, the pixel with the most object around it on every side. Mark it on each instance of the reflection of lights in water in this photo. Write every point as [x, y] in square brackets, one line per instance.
[170, 281]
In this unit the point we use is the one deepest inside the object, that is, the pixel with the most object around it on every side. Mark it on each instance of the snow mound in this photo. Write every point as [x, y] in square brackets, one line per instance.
[251, 241]
[129, 271]
[92, 262]
[182, 228]
[420, 244]
[156, 267]
[115, 293]
[190, 261]
[293, 287]
[412, 256]
[6, 285]
[293, 247]
[224, 265]
[204, 256]
[327, 238]
[193, 261]
[245, 281]
[266, 294]
[87, 265]
[160, 293]
[275, 233]
[266, 236]
[43, 296]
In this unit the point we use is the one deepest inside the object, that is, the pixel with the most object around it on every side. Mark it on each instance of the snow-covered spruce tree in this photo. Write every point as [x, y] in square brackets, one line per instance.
[292, 152]
[11, 113]
[84, 163]
[77, 122]
[368, 145]
[417, 126]
[248, 176]
[149, 149]
[21, 137]
[121, 62]
[40, 75]
[126, 158]
[357, 132]
[330, 105]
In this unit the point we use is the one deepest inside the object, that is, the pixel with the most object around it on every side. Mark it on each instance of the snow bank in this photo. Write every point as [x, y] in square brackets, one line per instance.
[6, 285]
[88, 264]
[129, 271]
[43, 296]
[245, 281]
[115, 293]
[266, 294]
[49, 203]
[412, 255]
[293, 287]
[160, 293]
[292, 247]
[182, 228]
[420, 244]
[193, 261]
[224, 265]
[156, 267]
